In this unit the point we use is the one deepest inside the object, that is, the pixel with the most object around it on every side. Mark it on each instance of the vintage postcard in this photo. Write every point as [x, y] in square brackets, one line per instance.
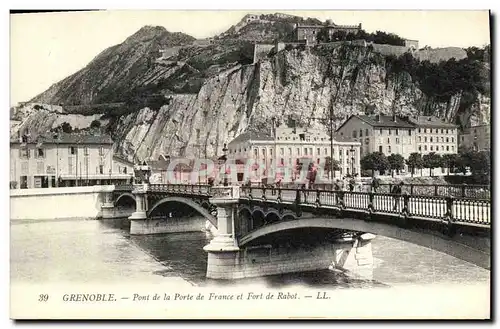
[250, 165]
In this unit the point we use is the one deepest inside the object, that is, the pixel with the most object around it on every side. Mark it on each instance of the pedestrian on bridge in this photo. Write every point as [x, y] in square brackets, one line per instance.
[397, 190]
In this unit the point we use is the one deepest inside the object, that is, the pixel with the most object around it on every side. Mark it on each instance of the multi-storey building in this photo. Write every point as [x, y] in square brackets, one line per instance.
[435, 135]
[310, 32]
[64, 160]
[380, 133]
[285, 146]
[477, 138]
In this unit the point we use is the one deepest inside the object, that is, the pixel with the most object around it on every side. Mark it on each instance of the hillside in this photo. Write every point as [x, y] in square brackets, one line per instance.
[201, 95]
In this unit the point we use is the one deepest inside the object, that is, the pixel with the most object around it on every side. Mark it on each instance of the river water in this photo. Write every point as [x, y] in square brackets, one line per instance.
[85, 251]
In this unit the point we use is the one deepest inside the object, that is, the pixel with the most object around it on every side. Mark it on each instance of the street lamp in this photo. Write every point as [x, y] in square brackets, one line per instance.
[352, 159]
[224, 152]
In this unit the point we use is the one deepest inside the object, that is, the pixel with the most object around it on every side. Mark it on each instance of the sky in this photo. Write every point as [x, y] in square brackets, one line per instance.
[47, 47]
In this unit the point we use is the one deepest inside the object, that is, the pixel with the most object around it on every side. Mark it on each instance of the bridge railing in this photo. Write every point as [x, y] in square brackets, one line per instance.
[464, 210]
[124, 187]
[181, 188]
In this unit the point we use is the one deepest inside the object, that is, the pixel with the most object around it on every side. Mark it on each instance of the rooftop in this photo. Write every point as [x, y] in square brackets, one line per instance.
[251, 136]
[65, 138]
[431, 121]
[383, 121]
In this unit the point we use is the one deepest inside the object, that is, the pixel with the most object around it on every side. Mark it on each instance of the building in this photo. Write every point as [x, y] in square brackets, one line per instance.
[63, 160]
[309, 32]
[285, 147]
[413, 44]
[434, 135]
[477, 138]
[387, 134]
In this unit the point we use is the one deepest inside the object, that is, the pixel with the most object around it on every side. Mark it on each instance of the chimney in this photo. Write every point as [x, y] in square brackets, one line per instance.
[394, 118]
[377, 117]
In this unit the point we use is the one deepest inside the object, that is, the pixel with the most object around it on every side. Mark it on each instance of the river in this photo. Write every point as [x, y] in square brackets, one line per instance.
[85, 251]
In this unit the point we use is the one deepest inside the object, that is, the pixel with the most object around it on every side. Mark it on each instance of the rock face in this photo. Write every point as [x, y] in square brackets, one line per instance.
[306, 84]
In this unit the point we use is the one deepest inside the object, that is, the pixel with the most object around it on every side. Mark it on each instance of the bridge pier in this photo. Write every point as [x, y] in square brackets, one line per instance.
[223, 250]
[355, 257]
[140, 203]
[108, 207]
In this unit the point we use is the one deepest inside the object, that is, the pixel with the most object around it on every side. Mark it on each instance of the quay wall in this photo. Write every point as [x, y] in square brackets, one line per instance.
[57, 203]
[167, 225]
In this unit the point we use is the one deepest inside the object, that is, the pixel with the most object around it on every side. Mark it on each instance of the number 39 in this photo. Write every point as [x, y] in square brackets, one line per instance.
[43, 297]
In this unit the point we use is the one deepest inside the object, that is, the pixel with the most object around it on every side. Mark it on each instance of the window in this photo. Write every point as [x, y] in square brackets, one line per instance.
[452, 139]
[380, 148]
[419, 130]
[419, 139]
[317, 161]
[289, 151]
[70, 165]
[282, 162]
[318, 151]
[425, 130]
[425, 147]
[124, 170]
[453, 148]
[380, 131]
[24, 153]
[72, 150]
[409, 132]
[290, 161]
[442, 139]
[397, 132]
[255, 152]
[389, 149]
[40, 153]
[271, 152]
[388, 140]
[354, 134]
[447, 131]
[263, 152]
[326, 151]
[302, 137]
[420, 148]
[361, 133]
[389, 131]
[442, 147]
[447, 139]
[431, 139]
[366, 132]
[86, 151]
[431, 148]
[298, 151]
[447, 147]
[397, 140]
[282, 151]
[425, 139]
[305, 151]
[101, 169]
[310, 151]
[442, 131]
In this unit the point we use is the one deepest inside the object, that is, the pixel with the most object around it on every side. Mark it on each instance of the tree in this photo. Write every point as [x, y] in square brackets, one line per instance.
[95, 124]
[66, 127]
[396, 162]
[331, 165]
[414, 161]
[375, 161]
[480, 164]
[432, 160]
[450, 161]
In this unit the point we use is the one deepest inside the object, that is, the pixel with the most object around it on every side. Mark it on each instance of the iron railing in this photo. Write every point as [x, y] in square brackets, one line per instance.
[455, 209]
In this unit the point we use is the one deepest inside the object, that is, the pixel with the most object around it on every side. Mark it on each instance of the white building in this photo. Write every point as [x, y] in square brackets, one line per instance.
[288, 145]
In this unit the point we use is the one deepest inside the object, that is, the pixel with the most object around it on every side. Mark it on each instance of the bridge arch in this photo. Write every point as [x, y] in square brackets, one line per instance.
[125, 196]
[204, 212]
[475, 250]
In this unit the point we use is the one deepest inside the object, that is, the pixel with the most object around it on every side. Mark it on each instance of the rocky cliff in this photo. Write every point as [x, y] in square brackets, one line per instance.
[231, 95]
